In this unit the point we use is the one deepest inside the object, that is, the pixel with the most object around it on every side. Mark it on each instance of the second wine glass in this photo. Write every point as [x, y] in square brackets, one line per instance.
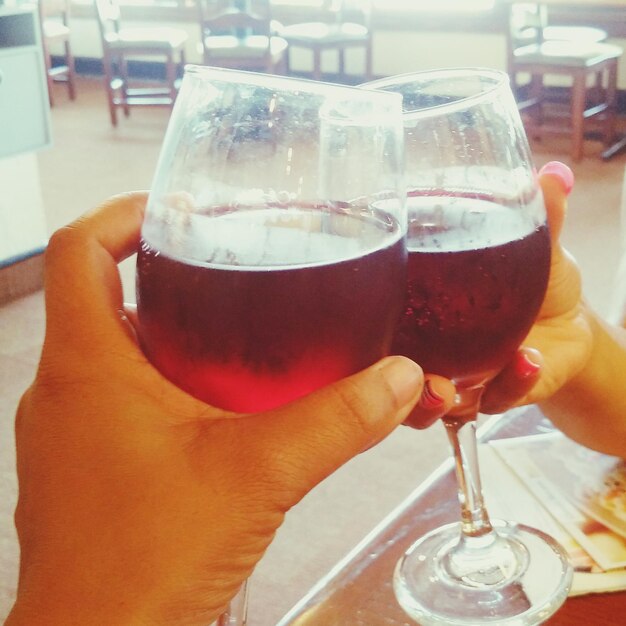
[479, 260]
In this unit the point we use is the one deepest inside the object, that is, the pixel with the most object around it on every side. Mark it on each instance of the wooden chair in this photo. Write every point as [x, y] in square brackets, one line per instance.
[347, 25]
[590, 66]
[55, 33]
[535, 23]
[121, 45]
[240, 35]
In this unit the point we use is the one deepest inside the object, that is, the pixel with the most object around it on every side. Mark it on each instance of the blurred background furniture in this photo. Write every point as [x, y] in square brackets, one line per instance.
[24, 130]
[536, 23]
[24, 107]
[589, 65]
[345, 24]
[55, 28]
[239, 34]
[121, 44]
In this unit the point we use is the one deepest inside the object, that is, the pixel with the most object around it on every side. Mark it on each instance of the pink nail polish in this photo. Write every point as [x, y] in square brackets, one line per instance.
[560, 171]
[430, 399]
[524, 367]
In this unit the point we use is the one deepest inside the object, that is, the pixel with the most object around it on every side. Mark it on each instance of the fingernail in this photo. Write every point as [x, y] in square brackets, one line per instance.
[430, 399]
[404, 377]
[562, 172]
[524, 367]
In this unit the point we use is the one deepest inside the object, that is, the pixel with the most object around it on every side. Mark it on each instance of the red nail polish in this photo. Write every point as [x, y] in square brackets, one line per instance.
[524, 367]
[430, 399]
[560, 171]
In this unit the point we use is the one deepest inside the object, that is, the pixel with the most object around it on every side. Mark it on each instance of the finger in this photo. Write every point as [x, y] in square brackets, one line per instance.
[305, 441]
[436, 400]
[129, 317]
[514, 382]
[556, 181]
[83, 287]
[130, 311]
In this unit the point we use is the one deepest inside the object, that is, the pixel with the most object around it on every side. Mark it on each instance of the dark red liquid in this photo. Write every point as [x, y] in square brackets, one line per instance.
[251, 338]
[469, 309]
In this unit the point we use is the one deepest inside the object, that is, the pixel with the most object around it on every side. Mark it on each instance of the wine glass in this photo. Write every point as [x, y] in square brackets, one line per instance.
[273, 257]
[479, 260]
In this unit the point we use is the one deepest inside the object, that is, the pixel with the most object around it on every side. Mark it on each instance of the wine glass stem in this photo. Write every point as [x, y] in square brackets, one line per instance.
[237, 612]
[462, 436]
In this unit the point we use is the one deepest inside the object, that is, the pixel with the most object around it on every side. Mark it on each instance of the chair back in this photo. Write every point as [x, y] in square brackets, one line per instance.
[54, 8]
[234, 17]
[357, 11]
[108, 14]
[525, 29]
[526, 23]
[343, 11]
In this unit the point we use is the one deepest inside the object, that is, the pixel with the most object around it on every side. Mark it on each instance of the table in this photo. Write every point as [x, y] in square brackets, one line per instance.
[358, 591]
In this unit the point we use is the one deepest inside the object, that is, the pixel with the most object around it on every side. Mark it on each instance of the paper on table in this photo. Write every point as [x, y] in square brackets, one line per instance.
[582, 488]
[516, 488]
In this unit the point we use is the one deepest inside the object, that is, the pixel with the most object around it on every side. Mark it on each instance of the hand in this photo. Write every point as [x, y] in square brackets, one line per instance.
[139, 503]
[560, 342]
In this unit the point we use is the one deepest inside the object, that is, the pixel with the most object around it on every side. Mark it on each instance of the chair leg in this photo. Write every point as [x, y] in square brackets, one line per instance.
[596, 91]
[342, 62]
[275, 67]
[179, 69]
[183, 61]
[287, 62]
[123, 71]
[317, 64]
[579, 89]
[369, 72]
[170, 75]
[535, 93]
[108, 84]
[71, 71]
[283, 65]
[611, 101]
[49, 80]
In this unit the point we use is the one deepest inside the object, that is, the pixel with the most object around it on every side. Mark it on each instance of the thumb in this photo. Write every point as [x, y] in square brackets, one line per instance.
[307, 440]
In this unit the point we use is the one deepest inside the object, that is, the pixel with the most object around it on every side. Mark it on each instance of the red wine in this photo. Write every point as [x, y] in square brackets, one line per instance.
[476, 280]
[253, 309]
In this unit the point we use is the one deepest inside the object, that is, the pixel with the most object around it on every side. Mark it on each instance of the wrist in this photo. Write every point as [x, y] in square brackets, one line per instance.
[591, 368]
[589, 405]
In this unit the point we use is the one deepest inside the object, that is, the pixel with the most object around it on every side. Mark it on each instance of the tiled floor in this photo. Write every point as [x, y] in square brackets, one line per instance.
[89, 162]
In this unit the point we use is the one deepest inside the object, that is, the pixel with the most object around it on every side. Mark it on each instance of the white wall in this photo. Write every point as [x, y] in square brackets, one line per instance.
[398, 52]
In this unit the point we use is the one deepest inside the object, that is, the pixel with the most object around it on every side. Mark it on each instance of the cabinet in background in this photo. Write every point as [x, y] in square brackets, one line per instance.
[24, 128]
[24, 109]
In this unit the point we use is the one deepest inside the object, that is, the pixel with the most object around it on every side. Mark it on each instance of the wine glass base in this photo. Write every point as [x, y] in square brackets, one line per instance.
[529, 583]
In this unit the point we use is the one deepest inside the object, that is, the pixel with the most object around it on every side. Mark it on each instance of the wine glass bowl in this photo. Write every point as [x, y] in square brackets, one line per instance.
[272, 252]
[478, 268]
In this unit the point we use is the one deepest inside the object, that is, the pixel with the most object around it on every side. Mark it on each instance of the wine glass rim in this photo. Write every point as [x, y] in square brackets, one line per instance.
[264, 80]
[500, 78]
